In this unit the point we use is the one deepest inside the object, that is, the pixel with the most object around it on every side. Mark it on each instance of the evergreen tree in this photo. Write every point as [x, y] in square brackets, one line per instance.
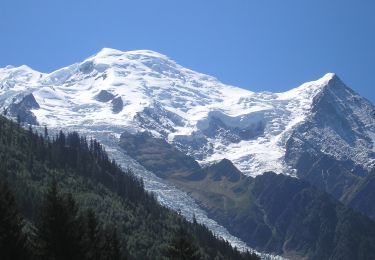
[60, 229]
[13, 241]
[182, 247]
[18, 120]
[45, 132]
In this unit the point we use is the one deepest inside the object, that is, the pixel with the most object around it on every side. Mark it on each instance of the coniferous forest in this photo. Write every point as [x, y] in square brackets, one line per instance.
[61, 197]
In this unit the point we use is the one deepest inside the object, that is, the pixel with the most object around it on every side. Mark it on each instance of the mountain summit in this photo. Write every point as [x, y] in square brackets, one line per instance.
[143, 90]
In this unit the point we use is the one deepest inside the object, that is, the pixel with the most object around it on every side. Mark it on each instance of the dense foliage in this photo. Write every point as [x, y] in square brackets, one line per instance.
[13, 241]
[73, 196]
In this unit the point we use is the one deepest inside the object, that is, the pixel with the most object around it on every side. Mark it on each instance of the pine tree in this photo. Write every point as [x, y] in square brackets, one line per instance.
[45, 132]
[19, 120]
[60, 229]
[13, 242]
[182, 247]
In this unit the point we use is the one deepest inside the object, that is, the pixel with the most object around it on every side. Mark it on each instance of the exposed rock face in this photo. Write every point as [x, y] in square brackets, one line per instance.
[117, 105]
[224, 170]
[334, 147]
[341, 125]
[156, 118]
[232, 134]
[86, 67]
[361, 196]
[104, 96]
[22, 110]
[302, 215]
[160, 157]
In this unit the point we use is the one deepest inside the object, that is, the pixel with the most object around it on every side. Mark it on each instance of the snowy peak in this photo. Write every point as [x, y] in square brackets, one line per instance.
[328, 77]
[108, 52]
[11, 76]
[23, 69]
[334, 82]
[341, 125]
[147, 91]
[337, 98]
[105, 52]
[142, 60]
[309, 89]
[334, 85]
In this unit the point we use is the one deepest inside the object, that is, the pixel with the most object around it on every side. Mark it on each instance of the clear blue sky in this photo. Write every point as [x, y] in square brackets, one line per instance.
[256, 44]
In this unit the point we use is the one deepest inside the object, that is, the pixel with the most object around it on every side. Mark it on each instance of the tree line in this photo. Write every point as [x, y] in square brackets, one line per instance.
[71, 201]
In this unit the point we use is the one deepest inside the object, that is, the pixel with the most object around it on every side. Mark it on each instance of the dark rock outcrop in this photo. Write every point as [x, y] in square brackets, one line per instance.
[104, 96]
[117, 105]
[224, 169]
[160, 157]
[22, 110]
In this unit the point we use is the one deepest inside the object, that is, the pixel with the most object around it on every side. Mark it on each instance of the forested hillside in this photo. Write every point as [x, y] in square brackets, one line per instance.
[69, 195]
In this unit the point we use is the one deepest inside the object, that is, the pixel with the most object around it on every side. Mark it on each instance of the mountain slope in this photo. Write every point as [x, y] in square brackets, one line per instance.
[341, 125]
[145, 90]
[335, 231]
[29, 163]
[272, 213]
[334, 147]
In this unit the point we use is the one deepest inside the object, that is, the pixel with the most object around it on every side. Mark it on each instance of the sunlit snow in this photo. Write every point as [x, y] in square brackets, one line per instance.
[146, 79]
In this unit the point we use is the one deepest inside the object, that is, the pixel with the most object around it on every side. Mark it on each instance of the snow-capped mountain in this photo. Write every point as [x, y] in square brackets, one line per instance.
[333, 148]
[321, 131]
[341, 124]
[144, 90]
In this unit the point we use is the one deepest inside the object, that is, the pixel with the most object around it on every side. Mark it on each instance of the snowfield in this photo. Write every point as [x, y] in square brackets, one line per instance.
[200, 115]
